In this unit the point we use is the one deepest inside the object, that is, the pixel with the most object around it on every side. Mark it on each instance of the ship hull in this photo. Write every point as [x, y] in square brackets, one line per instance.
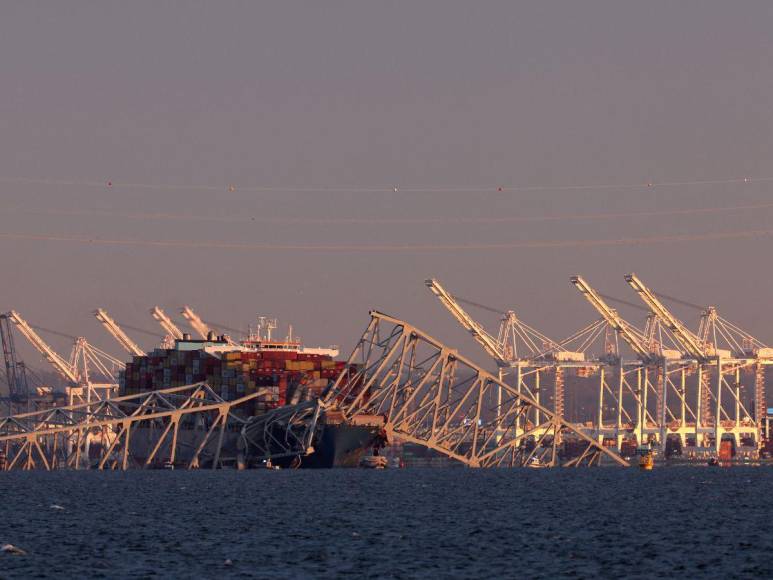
[341, 445]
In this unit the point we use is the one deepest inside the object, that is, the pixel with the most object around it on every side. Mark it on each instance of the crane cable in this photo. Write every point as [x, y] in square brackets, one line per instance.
[605, 296]
[219, 326]
[356, 248]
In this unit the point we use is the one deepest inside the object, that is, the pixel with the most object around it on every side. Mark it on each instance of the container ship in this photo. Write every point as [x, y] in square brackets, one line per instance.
[289, 371]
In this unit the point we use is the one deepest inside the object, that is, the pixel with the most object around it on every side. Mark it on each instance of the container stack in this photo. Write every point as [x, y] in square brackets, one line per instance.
[289, 376]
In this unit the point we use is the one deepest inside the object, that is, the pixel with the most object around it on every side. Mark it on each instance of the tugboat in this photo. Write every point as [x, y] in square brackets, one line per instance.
[536, 463]
[374, 462]
[646, 460]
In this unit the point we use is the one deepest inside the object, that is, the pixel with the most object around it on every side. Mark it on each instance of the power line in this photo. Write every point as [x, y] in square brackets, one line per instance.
[393, 221]
[359, 248]
[394, 188]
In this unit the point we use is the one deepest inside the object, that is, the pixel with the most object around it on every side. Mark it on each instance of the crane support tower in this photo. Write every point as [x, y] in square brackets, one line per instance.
[86, 362]
[14, 368]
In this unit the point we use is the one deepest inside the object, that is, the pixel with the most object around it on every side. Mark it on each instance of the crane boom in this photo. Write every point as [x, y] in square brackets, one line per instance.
[195, 321]
[117, 333]
[691, 343]
[623, 328]
[62, 366]
[166, 323]
[483, 338]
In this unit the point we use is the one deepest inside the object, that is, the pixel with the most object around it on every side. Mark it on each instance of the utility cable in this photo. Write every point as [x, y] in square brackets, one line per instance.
[360, 248]
[245, 219]
[394, 188]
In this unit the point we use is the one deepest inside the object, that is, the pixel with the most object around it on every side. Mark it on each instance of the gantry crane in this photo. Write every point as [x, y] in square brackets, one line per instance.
[116, 332]
[60, 365]
[692, 346]
[515, 339]
[690, 343]
[705, 353]
[648, 351]
[196, 322]
[76, 371]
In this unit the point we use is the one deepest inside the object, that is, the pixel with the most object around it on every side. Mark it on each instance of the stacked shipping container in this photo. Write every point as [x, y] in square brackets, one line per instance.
[288, 375]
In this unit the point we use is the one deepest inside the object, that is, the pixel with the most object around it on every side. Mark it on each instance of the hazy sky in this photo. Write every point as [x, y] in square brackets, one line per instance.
[315, 111]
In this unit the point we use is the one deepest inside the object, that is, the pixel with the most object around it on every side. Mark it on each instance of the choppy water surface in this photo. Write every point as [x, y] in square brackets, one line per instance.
[687, 522]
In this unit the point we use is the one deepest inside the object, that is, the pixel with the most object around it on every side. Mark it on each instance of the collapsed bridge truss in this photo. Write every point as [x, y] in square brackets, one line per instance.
[181, 426]
[412, 386]
[431, 396]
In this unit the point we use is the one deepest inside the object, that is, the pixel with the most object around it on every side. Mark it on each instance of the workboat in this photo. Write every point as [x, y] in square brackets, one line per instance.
[646, 459]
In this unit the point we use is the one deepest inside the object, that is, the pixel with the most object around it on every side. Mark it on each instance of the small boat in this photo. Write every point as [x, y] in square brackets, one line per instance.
[374, 462]
[713, 462]
[646, 459]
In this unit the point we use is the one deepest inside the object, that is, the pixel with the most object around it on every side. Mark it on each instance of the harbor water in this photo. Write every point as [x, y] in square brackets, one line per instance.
[413, 523]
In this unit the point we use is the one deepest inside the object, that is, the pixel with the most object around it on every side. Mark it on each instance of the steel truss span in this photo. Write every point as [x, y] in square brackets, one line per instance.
[177, 427]
[431, 396]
